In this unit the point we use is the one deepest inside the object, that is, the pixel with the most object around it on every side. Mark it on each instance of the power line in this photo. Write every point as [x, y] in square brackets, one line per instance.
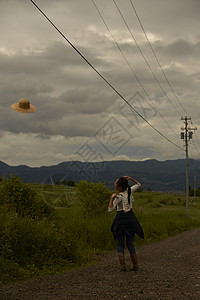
[196, 136]
[131, 68]
[193, 144]
[149, 66]
[197, 169]
[104, 79]
[153, 51]
[194, 133]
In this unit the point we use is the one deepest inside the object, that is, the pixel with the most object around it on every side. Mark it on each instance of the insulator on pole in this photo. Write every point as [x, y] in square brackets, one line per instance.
[182, 135]
[190, 135]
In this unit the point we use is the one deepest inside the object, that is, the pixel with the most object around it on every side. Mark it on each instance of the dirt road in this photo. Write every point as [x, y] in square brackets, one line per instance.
[169, 269]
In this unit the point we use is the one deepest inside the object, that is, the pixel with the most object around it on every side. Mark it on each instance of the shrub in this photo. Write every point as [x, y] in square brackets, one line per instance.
[39, 243]
[29, 247]
[23, 199]
[10, 271]
[93, 198]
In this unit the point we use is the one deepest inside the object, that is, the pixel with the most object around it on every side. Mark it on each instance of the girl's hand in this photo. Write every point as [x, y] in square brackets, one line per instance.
[110, 206]
[130, 178]
[113, 196]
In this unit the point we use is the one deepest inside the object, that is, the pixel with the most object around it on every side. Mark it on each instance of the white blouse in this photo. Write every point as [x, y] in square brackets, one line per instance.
[121, 200]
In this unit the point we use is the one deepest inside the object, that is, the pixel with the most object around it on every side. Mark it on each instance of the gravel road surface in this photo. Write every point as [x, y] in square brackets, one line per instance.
[169, 269]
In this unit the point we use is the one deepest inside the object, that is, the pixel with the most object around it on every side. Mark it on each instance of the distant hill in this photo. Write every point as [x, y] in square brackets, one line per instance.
[156, 175]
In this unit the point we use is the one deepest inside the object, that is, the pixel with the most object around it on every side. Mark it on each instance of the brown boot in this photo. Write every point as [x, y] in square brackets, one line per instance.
[134, 262]
[122, 262]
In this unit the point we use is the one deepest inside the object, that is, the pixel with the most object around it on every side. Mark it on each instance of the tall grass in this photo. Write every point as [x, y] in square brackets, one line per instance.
[31, 246]
[159, 221]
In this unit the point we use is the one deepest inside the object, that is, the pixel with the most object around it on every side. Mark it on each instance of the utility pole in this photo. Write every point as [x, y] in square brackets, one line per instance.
[186, 135]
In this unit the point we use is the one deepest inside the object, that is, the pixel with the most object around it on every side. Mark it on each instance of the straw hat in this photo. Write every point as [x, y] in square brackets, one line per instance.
[23, 106]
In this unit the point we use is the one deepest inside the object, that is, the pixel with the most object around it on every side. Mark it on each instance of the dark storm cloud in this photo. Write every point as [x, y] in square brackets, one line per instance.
[73, 101]
[179, 49]
[57, 55]
[45, 71]
[38, 75]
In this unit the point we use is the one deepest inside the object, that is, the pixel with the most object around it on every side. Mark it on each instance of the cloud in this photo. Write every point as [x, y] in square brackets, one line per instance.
[73, 102]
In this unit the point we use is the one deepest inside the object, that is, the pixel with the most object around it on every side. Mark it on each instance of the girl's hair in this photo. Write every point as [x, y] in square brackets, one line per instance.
[123, 184]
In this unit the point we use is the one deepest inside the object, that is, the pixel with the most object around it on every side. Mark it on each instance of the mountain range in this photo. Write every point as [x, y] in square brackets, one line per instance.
[154, 175]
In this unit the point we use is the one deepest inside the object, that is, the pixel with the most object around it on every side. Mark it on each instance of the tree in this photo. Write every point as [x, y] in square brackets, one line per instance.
[93, 198]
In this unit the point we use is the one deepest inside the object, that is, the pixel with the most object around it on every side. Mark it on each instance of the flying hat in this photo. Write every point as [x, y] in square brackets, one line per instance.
[23, 106]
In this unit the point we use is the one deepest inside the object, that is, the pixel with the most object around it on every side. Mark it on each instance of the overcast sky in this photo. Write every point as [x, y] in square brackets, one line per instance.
[79, 117]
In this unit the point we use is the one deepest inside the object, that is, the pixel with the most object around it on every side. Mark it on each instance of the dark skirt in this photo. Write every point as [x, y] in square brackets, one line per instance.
[126, 223]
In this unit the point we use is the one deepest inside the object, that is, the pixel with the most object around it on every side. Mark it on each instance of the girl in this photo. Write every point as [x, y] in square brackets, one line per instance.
[125, 222]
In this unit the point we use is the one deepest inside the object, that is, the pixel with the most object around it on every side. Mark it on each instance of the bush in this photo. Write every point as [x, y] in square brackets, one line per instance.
[38, 243]
[23, 199]
[29, 247]
[93, 198]
[10, 271]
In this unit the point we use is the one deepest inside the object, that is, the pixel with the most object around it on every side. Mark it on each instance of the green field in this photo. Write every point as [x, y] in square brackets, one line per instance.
[60, 235]
[162, 215]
